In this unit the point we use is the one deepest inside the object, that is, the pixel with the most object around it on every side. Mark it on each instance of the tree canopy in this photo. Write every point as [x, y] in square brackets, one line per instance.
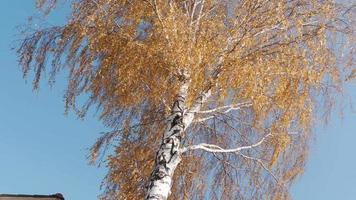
[270, 67]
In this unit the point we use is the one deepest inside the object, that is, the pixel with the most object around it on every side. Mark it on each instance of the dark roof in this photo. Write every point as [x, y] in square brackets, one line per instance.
[57, 196]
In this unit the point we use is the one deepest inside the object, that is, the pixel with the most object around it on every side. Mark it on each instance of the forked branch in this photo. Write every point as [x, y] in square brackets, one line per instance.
[217, 149]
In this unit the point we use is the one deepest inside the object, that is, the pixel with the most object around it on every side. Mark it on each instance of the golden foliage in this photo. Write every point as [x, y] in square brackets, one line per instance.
[127, 57]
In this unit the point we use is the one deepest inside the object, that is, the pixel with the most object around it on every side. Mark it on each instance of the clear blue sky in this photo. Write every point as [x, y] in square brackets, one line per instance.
[43, 152]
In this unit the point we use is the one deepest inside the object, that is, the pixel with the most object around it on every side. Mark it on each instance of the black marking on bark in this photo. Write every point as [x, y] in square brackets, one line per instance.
[172, 151]
[162, 160]
[180, 99]
[167, 140]
[157, 175]
[173, 155]
[175, 132]
[157, 197]
[176, 120]
[179, 137]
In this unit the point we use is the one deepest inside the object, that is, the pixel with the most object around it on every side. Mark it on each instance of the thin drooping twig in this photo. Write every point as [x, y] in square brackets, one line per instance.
[259, 161]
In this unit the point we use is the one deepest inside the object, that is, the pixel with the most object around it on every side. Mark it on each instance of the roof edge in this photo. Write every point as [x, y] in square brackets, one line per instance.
[57, 196]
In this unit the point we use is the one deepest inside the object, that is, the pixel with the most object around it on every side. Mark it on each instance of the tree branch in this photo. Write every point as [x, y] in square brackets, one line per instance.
[237, 106]
[259, 161]
[217, 149]
[204, 118]
[228, 109]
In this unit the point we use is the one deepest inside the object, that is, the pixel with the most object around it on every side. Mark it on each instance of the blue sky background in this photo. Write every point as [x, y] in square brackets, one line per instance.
[43, 152]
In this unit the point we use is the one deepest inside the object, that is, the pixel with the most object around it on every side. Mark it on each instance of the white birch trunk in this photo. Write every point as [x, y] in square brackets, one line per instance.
[169, 154]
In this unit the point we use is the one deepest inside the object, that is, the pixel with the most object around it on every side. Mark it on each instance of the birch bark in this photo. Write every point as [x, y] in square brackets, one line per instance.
[169, 154]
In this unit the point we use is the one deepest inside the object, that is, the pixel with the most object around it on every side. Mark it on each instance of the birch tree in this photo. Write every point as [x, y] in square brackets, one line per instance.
[206, 99]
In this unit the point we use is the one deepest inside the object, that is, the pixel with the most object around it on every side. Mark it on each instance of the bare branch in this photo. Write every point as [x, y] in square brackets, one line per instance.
[228, 107]
[217, 149]
[276, 27]
[197, 24]
[204, 119]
